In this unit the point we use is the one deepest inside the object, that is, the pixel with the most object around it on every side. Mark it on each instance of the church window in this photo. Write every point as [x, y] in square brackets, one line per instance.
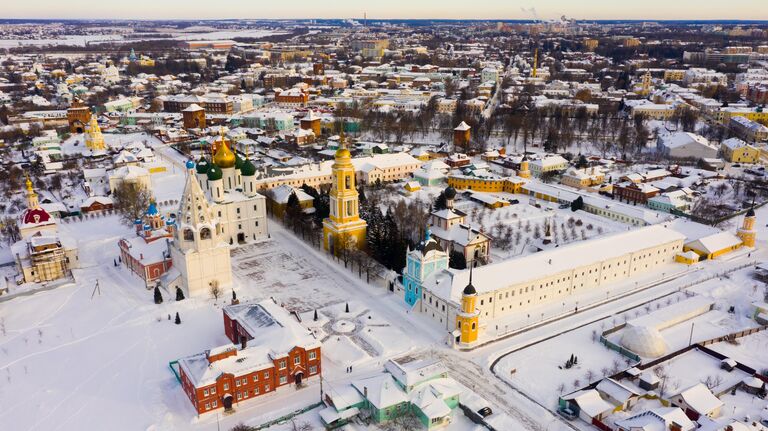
[188, 235]
[205, 233]
[473, 326]
[347, 182]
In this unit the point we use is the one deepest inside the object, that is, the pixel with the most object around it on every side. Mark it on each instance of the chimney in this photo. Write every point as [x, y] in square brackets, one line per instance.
[141, 256]
[365, 392]
[243, 342]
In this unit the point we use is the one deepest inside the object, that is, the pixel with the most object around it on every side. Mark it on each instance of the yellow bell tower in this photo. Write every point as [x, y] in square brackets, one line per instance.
[468, 319]
[343, 229]
[32, 201]
[747, 231]
[94, 140]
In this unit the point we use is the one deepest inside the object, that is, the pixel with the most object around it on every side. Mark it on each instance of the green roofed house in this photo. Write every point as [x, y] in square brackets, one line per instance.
[408, 386]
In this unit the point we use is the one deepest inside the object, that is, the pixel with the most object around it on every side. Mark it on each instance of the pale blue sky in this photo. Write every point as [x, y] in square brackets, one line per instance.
[479, 9]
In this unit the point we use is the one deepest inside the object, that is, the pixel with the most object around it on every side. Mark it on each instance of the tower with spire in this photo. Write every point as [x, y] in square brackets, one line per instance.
[524, 171]
[199, 250]
[468, 318]
[343, 229]
[747, 231]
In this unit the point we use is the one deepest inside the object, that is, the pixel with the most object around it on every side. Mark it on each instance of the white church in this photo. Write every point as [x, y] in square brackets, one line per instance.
[219, 209]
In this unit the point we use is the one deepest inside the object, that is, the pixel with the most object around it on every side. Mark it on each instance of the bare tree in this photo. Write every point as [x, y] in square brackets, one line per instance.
[215, 289]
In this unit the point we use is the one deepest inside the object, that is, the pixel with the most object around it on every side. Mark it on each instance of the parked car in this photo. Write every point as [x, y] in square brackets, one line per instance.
[567, 413]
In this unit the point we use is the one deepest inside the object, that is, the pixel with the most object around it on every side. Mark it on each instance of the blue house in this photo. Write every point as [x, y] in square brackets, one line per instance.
[426, 258]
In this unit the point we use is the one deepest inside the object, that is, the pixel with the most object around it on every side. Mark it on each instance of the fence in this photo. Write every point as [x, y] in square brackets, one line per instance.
[289, 416]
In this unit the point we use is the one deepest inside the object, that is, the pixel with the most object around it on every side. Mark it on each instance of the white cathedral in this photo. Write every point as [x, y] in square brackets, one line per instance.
[219, 208]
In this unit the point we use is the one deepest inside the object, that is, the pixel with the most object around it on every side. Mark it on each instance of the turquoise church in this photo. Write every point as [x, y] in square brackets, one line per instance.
[428, 257]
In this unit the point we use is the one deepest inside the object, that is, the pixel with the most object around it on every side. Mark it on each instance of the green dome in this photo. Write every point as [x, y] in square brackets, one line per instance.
[214, 173]
[247, 169]
[202, 166]
[238, 161]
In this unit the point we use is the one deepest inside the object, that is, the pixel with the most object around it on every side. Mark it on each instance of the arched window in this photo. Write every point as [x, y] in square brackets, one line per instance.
[188, 235]
[205, 233]
[347, 182]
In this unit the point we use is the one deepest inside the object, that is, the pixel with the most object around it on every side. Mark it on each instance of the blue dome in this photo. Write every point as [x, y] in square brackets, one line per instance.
[152, 210]
[190, 164]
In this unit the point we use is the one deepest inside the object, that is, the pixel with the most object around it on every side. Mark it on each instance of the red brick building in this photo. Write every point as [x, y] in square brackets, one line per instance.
[292, 98]
[635, 193]
[147, 260]
[269, 349]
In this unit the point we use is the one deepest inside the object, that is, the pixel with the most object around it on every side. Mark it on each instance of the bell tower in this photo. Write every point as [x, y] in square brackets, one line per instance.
[468, 319]
[747, 231]
[343, 228]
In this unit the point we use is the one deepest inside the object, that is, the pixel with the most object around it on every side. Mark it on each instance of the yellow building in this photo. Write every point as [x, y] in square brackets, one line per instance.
[525, 170]
[488, 185]
[755, 114]
[467, 321]
[674, 74]
[737, 151]
[716, 245]
[94, 140]
[747, 231]
[343, 229]
[687, 257]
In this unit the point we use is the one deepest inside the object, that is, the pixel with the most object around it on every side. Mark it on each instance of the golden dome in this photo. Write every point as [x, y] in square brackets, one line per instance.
[224, 157]
[343, 153]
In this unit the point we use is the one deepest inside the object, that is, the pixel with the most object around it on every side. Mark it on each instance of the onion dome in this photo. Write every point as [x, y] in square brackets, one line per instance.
[343, 153]
[190, 164]
[224, 157]
[214, 173]
[470, 289]
[248, 169]
[202, 166]
[35, 216]
[450, 193]
[152, 209]
[238, 161]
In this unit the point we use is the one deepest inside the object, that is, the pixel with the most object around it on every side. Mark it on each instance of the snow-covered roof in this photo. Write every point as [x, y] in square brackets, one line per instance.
[713, 243]
[274, 334]
[449, 283]
[381, 391]
[701, 399]
[590, 402]
[657, 420]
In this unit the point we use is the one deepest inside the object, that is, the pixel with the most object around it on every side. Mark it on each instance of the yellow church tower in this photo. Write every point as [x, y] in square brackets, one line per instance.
[93, 137]
[747, 231]
[468, 320]
[343, 229]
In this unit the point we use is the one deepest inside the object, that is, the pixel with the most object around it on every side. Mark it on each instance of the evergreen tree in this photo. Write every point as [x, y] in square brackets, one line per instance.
[582, 163]
[315, 316]
[577, 204]
[346, 308]
[361, 195]
[293, 211]
[234, 296]
[456, 260]
[179, 294]
[440, 202]
[178, 319]
[158, 296]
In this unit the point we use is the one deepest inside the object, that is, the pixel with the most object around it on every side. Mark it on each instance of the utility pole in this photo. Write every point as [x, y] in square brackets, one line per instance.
[690, 338]
[96, 288]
